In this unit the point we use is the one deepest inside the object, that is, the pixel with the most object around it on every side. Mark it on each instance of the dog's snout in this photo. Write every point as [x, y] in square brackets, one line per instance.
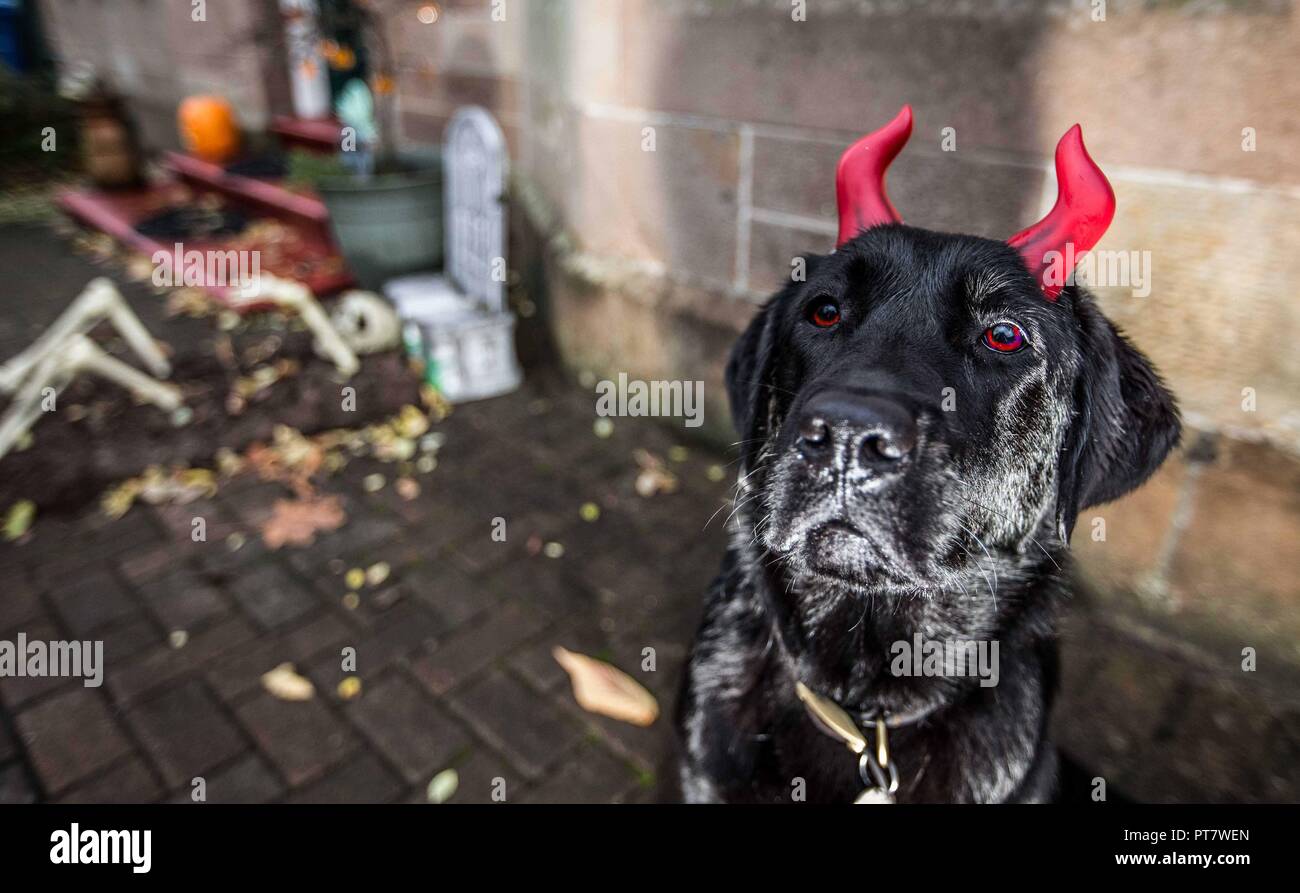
[872, 431]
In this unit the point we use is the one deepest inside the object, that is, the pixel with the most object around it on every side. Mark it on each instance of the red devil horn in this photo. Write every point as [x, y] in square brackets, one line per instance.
[860, 178]
[1084, 207]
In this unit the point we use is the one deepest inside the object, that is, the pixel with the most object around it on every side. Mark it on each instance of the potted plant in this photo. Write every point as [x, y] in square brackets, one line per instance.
[385, 204]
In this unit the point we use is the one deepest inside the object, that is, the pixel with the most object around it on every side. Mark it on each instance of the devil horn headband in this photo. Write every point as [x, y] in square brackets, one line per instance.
[1084, 205]
[860, 177]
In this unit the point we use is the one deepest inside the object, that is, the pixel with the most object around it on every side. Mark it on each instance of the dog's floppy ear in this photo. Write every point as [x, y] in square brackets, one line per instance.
[1125, 422]
[749, 378]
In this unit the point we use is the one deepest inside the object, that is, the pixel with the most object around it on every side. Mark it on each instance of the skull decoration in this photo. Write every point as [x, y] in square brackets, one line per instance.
[366, 322]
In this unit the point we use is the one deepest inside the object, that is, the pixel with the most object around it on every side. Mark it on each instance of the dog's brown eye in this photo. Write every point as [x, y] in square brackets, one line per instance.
[1004, 337]
[825, 314]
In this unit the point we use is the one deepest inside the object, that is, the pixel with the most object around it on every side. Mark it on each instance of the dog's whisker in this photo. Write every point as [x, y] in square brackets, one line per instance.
[865, 609]
[993, 585]
[736, 509]
[1033, 539]
[766, 385]
[714, 515]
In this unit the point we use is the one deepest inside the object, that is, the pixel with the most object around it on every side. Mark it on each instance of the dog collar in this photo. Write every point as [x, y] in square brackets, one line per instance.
[878, 771]
[876, 766]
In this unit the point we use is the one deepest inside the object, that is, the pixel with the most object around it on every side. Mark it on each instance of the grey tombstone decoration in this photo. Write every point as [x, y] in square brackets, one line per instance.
[474, 171]
[459, 322]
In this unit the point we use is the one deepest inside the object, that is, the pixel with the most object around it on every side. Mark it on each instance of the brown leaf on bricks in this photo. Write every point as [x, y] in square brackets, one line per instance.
[607, 690]
[296, 521]
[291, 458]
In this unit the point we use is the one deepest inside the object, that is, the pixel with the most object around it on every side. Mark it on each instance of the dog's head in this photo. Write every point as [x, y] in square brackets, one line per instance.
[922, 400]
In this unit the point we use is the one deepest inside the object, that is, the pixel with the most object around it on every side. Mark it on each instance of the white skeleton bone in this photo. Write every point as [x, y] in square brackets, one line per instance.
[63, 351]
[296, 296]
[99, 300]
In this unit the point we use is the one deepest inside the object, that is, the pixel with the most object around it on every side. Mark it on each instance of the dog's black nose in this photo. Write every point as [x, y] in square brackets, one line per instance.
[874, 432]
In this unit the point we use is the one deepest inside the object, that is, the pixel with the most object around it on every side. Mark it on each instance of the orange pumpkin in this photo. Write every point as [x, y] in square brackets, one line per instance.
[208, 129]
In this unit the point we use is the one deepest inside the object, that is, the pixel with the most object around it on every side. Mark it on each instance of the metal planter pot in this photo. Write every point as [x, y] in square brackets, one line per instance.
[389, 224]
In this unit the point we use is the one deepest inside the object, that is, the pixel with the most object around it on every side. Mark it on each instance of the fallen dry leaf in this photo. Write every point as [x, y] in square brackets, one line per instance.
[296, 521]
[262, 350]
[442, 787]
[190, 301]
[602, 688]
[284, 683]
[392, 448]
[229, 463]
[19, 519]
[158, 486]
[180, 486]
[653, 480]
[263, 377]
[224, 350]
[138, 268]
[653, 477]
[290, 458]
[377, 573]
[439, 407]
[117, 501]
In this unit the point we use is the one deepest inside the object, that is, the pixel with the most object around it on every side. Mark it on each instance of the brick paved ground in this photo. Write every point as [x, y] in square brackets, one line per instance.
[454, 649]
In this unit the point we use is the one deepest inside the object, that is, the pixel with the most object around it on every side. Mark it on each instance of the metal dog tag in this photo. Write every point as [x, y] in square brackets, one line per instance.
[873, 795]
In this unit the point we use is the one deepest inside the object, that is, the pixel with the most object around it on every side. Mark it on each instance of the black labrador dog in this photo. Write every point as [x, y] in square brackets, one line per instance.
[924, 416]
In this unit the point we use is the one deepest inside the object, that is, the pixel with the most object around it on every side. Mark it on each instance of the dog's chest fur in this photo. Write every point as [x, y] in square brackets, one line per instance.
[747, 738]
